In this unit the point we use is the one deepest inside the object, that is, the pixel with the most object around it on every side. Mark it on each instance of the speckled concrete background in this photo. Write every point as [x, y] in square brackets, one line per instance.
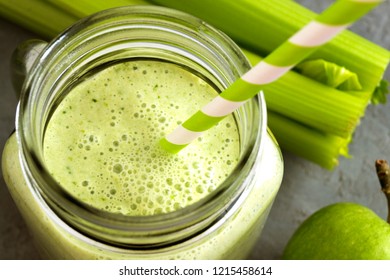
[306, 187]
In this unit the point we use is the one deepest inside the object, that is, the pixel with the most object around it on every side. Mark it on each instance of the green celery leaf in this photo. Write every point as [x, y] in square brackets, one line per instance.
[330, 74]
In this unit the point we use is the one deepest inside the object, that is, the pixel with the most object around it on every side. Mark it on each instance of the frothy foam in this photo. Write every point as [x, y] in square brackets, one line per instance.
[102, 141]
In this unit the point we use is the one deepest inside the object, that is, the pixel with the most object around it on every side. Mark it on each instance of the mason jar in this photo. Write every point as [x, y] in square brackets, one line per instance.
[225, 223]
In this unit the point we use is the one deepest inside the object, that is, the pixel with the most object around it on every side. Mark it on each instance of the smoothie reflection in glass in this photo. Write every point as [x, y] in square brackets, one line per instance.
[85, 167]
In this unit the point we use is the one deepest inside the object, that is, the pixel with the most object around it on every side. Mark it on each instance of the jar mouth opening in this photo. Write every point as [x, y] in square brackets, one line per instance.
[119, 34]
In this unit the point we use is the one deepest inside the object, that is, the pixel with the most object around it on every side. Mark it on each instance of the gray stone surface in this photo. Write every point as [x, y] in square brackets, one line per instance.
[305, 188]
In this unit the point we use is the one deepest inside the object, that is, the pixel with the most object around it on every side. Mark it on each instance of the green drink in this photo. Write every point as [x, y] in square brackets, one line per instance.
[101, 143]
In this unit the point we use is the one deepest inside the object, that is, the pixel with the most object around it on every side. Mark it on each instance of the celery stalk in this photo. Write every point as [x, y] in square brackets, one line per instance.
[48, 18]
[82, 8]
[312, 103]
[37, 15]
[291, 128]
[319, 147]
[262, 25]
[310, 142]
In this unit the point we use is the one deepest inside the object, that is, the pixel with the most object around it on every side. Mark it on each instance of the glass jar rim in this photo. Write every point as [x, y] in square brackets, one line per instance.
[95, 218]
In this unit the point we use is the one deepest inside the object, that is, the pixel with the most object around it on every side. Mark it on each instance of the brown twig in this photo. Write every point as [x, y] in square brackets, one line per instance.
[383, 172]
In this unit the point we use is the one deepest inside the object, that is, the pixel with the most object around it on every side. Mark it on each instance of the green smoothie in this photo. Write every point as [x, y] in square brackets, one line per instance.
[101, 145]
[102, 142]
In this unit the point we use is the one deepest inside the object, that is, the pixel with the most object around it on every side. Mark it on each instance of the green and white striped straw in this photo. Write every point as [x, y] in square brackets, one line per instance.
[319, 31]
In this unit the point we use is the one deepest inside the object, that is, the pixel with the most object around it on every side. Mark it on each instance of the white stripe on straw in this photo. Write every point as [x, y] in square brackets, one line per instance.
[220, 107]
[264, 73]
[182, 136]
[319, 34]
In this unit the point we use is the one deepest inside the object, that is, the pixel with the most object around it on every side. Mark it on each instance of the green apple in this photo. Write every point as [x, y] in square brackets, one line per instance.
[344, 231]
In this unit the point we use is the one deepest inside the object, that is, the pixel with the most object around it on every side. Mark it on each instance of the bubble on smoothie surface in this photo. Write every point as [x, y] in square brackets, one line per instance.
[105, 149]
